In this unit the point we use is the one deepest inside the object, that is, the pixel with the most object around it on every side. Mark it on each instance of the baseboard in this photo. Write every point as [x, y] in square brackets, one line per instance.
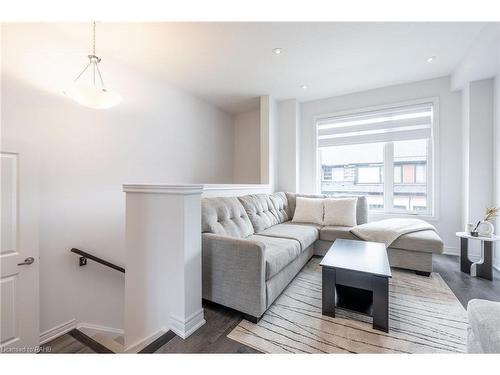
[100, 329]
[57, 331]
[186, 327]
[450, 250]
[158, 343]
[71, 324]
[455, 251]
[90, 342]
[141, 344]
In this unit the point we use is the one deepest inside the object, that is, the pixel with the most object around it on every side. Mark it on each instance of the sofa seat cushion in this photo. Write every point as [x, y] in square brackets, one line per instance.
[306, 234]
[260, 210]
[484, 322]
[427, 241]
[331, 233]
[225, 216]
[279, 252]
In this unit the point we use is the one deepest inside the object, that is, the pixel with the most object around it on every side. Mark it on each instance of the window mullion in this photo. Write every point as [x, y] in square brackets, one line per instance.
[388, 176]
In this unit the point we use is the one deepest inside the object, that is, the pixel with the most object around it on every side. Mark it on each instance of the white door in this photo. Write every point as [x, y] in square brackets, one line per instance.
[19, 309]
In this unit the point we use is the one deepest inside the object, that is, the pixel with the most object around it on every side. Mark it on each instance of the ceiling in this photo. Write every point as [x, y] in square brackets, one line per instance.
[229, 64]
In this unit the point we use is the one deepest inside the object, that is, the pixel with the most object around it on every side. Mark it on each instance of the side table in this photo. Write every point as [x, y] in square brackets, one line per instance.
[484, 267]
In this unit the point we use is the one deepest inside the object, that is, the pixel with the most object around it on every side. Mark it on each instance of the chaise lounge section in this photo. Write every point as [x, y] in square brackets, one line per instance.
[251, 250]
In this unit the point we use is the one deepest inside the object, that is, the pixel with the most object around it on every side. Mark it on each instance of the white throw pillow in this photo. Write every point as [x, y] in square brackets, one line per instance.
[340, 212]
[308, 210]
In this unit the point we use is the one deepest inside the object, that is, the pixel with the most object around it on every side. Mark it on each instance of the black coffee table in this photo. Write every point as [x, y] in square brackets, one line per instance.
[356, 277]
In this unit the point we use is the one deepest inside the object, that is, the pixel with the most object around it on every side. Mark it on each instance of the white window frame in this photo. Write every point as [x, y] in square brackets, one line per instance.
[432, 161]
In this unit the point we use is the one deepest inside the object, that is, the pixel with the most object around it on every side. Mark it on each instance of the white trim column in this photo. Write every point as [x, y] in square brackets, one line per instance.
[163, 261]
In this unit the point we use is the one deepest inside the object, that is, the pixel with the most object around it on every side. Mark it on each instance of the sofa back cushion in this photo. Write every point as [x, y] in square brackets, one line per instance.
[340, 212]
[292, 200]
[280, 203]
[309, 210]
[361, 205]
[260, 210]
[225, 216]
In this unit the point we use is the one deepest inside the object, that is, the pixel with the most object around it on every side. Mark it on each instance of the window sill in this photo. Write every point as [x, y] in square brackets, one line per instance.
[379, 215]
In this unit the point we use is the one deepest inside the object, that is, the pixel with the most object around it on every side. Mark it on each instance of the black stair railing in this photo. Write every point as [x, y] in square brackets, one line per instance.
[84, 256]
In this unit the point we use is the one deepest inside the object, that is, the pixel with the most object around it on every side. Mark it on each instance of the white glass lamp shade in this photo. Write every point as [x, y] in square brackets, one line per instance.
[93, 96]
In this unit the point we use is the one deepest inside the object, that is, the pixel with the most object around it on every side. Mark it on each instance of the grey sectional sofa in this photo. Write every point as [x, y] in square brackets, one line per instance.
[251, 250]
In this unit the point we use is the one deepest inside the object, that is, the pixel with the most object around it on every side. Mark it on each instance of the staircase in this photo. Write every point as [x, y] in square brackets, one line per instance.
[113, 343]
[107, 341]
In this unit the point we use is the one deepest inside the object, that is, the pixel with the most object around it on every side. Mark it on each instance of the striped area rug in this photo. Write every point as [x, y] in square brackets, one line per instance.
[424, 317]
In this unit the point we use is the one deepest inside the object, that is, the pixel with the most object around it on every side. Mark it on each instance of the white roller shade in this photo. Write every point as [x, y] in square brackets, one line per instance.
[393, 124]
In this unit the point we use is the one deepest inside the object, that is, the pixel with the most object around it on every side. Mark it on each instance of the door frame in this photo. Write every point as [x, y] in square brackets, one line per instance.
[26, 303]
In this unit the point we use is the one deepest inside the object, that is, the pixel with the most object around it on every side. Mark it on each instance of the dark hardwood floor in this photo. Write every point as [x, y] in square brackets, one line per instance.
[464, 286]
[65, 344]
[212, 337]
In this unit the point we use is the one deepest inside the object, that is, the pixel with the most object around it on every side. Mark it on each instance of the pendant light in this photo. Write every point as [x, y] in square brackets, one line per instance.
[92, 92]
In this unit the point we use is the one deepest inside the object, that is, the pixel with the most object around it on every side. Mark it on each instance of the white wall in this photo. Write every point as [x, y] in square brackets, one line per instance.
[480, 181]
[480, 63]
[269, 136]
[288, 145]
[157, 134]
[465, 153]
[496, 142]
[450, 141]
[246, 162]
[274, 137]
[477, 140]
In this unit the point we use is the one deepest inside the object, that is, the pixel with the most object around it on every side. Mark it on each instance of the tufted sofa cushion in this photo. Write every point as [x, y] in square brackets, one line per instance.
[260, 210]
[280, 202]
[225, 216]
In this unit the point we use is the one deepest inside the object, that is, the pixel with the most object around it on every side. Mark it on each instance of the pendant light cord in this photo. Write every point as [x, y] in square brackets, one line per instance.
[96, 66]
[93, 41]
[93, 52]
[94, 61]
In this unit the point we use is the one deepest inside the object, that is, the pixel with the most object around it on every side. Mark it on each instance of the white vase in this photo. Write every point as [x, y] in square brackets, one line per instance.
[469, 228]
[485, 229]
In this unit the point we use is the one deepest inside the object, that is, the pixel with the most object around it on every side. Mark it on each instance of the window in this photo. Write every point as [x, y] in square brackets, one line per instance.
[359, 169]
[397, 174]
[420, 174]
[410, 192]
[383, 154]
[369, 175]
[338, 174]
[327, 173]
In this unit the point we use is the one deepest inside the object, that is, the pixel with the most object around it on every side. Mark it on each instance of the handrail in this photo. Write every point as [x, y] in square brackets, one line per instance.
[84, 256]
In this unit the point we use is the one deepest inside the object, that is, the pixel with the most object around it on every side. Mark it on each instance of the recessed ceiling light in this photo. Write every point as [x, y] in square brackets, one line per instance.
[431, 59]
[304, 87]
[277, 51]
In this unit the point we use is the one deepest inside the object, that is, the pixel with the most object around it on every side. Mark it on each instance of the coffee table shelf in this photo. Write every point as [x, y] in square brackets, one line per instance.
[355, 277]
